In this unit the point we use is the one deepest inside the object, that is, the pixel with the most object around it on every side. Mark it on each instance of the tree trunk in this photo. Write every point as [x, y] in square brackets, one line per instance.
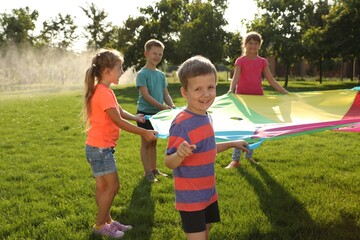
[287, 75]
[353, 69]
[320, 69]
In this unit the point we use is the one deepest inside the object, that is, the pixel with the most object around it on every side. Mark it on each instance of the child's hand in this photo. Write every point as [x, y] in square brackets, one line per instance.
[167, 107]
[185, 149]
[140, 118]
[243, 145]
[149, 135]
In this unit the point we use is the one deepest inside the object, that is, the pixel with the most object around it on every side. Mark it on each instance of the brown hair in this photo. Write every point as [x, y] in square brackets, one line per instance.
[251, 36]
[193, 67]
[104, 58]
[153, 43]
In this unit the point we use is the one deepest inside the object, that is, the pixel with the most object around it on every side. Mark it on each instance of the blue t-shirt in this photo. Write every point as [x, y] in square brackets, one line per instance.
[155, 82]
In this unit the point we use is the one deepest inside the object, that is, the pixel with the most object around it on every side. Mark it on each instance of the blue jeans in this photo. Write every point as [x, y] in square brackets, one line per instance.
[237, 154]
[101, 160]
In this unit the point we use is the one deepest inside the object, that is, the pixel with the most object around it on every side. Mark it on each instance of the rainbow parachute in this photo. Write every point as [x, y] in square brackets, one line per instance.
[257, 118]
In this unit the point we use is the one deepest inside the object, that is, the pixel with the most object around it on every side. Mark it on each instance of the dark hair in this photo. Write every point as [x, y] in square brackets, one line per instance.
[193, 67]
[251, 36]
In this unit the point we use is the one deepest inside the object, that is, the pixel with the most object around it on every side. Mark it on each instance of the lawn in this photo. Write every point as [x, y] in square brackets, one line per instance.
[305, 187]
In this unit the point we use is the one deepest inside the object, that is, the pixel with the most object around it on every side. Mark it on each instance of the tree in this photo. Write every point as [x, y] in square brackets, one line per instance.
[281, 30]
[203, 33]
[18, 26]
[185, 27]
[59, 32]
[315, 39]
[232, 48]
[344, 20]
[161, 21]
[128, 41]
[101, 33]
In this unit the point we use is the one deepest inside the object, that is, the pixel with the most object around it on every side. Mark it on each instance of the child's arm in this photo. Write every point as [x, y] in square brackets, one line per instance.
[269, 77]
[146, 95]
[235, 79]
[167, 99]
[184, 150]
[240, 144]
[149, 135]
[128, 116]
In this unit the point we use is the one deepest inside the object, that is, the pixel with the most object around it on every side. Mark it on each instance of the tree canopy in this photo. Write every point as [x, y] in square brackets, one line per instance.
[292, 30]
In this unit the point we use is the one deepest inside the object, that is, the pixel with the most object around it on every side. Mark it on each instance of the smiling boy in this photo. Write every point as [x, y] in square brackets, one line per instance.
[192, 149]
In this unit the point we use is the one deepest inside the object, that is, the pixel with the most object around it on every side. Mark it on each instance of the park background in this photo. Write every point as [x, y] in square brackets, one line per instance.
[302, 39]
[305, 187]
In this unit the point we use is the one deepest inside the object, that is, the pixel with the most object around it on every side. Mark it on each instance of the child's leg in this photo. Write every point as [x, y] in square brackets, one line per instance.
[196, 225]
[235, 158]
[197, 236]
[152, 152]
[147, 154]
[249, 157]
[107, 187]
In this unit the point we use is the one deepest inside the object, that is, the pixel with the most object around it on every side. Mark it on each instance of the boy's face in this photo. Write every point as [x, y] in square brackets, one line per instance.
[154, 55]
[200, 93]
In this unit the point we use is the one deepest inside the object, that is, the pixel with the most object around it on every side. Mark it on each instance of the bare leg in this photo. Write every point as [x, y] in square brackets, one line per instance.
[153, 155]
[148, 155]
[107, 187]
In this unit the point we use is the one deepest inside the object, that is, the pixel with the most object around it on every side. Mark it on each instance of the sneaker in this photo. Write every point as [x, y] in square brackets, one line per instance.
[107, 230]
[233, 164]
[120, 227]
[157, 172]
[150, 177]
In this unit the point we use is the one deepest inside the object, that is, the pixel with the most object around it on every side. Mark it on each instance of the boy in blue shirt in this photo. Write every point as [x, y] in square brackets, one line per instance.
[153, 93]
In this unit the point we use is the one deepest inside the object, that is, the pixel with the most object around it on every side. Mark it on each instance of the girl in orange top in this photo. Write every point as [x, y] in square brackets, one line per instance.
[104, 118]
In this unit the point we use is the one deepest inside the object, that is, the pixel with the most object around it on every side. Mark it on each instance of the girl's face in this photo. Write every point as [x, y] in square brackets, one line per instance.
[252, 47]
[200, 93]
[115, 73]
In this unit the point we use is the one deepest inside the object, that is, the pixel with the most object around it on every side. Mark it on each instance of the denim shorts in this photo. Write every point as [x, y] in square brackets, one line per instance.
[102, 160]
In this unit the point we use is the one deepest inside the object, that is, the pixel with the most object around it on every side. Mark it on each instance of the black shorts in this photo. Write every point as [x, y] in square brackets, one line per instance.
[193, 222]
[147, 124]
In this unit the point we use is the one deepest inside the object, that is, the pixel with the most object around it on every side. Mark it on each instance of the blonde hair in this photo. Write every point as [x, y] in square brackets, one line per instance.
[104, 58]
[251, 36]
[153, 43]
[193, 67]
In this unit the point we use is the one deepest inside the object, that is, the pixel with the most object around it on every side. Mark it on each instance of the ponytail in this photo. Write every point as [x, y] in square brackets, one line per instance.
[103, 59]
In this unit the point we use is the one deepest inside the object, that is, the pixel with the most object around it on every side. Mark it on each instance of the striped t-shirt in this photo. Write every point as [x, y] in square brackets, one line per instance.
[194, 178]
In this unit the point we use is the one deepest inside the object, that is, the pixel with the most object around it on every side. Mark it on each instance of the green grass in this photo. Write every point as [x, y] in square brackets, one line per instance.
[306, 187]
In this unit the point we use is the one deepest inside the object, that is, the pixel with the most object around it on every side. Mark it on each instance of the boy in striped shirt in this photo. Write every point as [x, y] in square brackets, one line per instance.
[192, 149]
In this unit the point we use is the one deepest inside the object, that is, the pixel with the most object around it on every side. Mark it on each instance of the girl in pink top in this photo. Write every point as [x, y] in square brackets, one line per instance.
[247, 78]
[104, 118]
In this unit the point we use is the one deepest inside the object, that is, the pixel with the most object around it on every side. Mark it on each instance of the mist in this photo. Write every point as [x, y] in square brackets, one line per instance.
[29, 69]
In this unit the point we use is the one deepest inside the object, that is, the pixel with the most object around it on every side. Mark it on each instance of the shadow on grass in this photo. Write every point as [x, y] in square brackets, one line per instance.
[140, 212]
[289, 218]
